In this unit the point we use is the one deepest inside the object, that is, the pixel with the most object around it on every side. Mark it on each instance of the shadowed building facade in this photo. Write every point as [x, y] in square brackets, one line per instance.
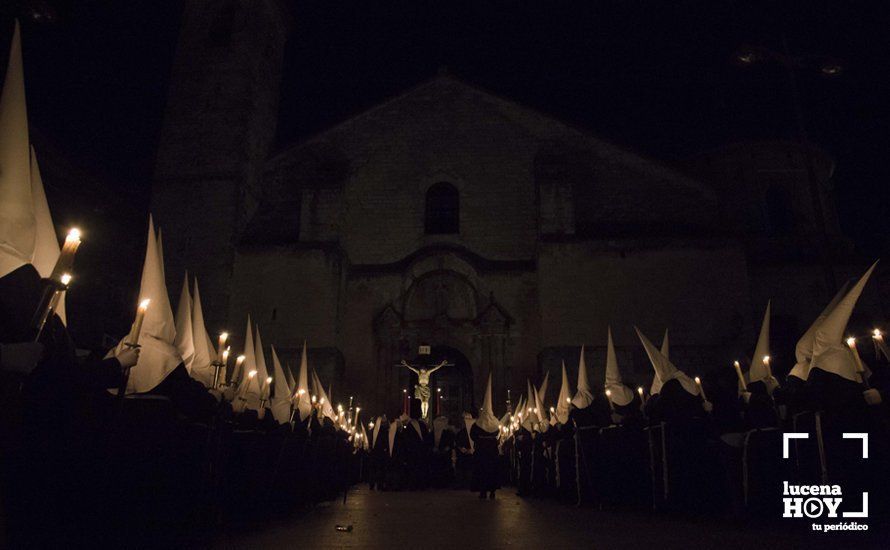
[451, 217]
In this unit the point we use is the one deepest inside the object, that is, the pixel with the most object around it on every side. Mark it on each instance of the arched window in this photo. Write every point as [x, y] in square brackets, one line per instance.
[779, 210]
[442, 216]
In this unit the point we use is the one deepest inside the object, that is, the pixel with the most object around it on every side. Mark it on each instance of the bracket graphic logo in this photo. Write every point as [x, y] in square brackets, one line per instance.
[817, 501]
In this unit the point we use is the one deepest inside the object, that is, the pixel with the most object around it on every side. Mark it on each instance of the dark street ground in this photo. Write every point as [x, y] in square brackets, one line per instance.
[457, 519]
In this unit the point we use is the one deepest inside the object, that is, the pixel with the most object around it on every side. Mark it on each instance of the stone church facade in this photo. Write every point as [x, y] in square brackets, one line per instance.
[450, 217]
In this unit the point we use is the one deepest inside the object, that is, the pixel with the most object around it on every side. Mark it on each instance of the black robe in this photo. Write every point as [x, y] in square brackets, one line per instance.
[486, 471]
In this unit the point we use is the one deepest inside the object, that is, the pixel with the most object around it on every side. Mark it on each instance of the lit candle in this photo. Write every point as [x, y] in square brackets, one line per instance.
[701, 388]
[609, 397]
[66, 256]
[137, 323]
[221, 343]
[769, 370]
[877, 335]
[239, 361]
[268, 388]
[738, 371]
[851, 342]
[642, 394]
[568, 400]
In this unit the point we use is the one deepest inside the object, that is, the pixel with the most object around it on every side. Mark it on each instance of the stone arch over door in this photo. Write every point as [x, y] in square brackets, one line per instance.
[443, 304]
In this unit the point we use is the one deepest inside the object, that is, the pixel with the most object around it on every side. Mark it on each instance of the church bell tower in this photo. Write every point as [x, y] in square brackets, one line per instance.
[219, 124]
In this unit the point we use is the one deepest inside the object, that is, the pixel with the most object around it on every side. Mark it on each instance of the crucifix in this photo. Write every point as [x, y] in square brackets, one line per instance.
[422, 389]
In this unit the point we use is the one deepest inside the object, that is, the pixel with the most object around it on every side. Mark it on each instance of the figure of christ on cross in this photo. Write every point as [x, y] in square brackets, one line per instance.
[422, 389]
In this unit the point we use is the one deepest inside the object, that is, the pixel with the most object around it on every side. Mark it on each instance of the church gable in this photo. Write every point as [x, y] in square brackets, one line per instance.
[364, 179]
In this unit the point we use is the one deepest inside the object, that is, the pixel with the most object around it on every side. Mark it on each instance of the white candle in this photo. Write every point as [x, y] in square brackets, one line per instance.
[609, 397]
[137, 323]
[66, 256]
[738, 371]
[701, 388]
[221, 344]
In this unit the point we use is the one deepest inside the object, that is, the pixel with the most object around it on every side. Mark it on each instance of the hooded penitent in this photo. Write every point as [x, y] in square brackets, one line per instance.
[829, 352]
[46, 244]
[529, 416]
[543, 417]
[665, 350]
[393, 430]
[621, 395]
[205, 354]
[158, 357]
[281, 396]
[439, 425]
[249, 386]
[759, 370]
[664, 369]
[487, 421]
[303, 391]
[327, 409]
[542, 389]
[565, 398]
[184, 340]
[17, 223]
[262, 371]
[803, 351]
[378, 423]
[584, 395]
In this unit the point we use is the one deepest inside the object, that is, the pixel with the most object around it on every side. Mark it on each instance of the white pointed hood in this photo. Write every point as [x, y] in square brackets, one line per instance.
[487, 421]
[378, 423]
[17, 222]
[829, 352]
[439, 425]
[543, 417]
[664, 369]
[249, 387]
[584, 396]
[565, 398]
[803, 351]
[542, 389]
[393, 430]
[205, 354]
[529, 417]
[303, 390]
[184, 340]
[158, 357]
[281, 402]
[621, 395]
[327, 408]
[262, 371]
[46, 243]
[666, 345]
[289, 375]
[759, 371]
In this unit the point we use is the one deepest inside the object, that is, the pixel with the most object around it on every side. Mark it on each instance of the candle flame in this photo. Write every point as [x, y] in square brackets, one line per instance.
[269, 380]
[698, 380]
[370, 425]
[552, 410]
[251, 374]
[143, 305]
[766, 359]
[66, 278]
[240, 359]
[640, 390]
[301, 391]
[568, 399]
[876, 334]
[225, 356]
[73, 234]
[608, 393]
[851, 342]
[223, 336]
[735, 364]
[313, 399]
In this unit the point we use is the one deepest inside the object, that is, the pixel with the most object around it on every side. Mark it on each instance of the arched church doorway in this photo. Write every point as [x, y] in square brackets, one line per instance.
[451, 386]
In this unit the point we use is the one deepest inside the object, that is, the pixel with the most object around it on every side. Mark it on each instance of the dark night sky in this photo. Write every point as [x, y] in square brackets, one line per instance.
[656, 76]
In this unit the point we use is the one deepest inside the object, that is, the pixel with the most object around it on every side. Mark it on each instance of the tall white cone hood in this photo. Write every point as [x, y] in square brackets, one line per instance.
[829, 352]
[584, 396]
[184, 341]
[666, 345]
[281, 397]
[543, 419]
[249, 388]
[327, 408]
[393, 430]
[205, 354]
[158, 357]
[565, 397]
[542, 389]
[758, 371]
[487, 421]
[664, 369]
[291, 383]
[304, 397]
[621, 395]
[17, 223]
[262, 371]
[529, 417]
[803, 351]
[46, 243]
[378, 423]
